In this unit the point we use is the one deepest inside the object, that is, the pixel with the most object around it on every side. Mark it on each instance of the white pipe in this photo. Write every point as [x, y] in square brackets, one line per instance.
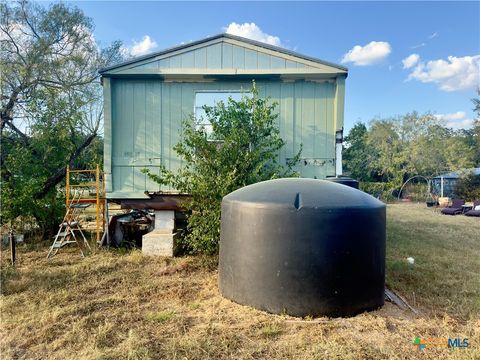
[441, 185]
[338, 152]
[338, 158]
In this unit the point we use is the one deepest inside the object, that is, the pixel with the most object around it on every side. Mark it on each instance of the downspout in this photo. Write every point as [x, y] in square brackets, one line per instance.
[338, 117]
[338, 152]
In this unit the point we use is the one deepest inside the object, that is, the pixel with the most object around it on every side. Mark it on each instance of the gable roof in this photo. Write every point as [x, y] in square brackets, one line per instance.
[228, 38]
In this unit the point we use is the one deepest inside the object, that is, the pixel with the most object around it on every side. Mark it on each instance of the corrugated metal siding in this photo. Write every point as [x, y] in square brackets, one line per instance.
[223, 56]
[147, 117]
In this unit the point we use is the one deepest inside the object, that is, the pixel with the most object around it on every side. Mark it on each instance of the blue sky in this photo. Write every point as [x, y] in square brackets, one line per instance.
[371, 38]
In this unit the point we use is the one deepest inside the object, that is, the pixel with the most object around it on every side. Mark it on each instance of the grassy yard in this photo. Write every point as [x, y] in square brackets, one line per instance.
[118, 306]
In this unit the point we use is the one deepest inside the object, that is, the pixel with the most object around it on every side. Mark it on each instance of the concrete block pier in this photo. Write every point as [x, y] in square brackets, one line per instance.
[161, 241]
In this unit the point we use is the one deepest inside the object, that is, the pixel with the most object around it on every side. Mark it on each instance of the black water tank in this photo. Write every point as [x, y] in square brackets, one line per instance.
[344, 180]
[304, 247]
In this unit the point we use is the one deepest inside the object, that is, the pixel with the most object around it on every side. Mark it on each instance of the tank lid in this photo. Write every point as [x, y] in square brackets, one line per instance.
[299, 192]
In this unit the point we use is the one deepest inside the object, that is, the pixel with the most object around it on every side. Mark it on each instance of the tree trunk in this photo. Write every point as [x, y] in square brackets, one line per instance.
[59, 175]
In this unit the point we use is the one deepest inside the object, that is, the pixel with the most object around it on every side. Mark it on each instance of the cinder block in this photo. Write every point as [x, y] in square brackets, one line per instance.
[159, 242]
[164, 219]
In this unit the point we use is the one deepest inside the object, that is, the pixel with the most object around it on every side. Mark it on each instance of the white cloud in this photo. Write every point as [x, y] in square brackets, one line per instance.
[410, 61]
[430, 37]
[369, 54]
[419, 45]
[456, 73]
[456, 120]
[146, 45]
[253, 32]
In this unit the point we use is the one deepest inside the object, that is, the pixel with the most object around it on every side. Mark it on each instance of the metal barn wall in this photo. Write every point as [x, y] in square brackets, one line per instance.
[146, 118]
[222, 56]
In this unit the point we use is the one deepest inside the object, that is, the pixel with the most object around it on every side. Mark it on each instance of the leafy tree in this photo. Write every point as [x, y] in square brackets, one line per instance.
[242, 149]
[434, 149]
[388, 158]
[357, 154]
[51, 104]
[427, 151]
[468, 187]
[458, 153]
[473, 134]
[393, 149]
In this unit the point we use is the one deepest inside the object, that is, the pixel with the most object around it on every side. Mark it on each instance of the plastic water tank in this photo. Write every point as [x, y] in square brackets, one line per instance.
[303, 247]
[344, 180]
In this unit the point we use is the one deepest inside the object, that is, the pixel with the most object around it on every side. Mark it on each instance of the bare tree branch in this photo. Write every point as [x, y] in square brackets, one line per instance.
[12, 41]
[27, 21]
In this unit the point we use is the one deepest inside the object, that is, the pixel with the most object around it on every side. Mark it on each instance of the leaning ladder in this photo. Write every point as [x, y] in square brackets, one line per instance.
[68, 227]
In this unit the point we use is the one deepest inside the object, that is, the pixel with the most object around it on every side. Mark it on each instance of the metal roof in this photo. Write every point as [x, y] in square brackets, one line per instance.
[226, 36]
[459, 173]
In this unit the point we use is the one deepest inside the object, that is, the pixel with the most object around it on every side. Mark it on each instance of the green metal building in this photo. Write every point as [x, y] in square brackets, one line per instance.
[146, 99]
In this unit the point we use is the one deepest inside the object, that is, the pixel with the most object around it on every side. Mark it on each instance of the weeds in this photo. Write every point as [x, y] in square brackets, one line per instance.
[161, 316]
[271, 330]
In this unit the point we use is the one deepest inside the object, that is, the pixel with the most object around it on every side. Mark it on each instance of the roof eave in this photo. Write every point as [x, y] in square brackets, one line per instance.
[285, 51]
[158, 53]
[105, 70]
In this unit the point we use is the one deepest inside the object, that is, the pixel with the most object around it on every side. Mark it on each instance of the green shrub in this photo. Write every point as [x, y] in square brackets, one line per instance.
[380, 190]
[242, 149]
[373, 188]
[416, 192]
[468, 187]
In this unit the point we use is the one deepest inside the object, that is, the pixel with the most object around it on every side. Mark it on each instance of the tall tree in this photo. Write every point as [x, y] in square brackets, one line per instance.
[393, 149]
[357, 154]
[473, 134]
[426, 152]
[389, 157]
[50, 108]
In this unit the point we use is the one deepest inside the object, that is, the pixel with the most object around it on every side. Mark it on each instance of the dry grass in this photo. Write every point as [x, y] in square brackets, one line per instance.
[126, 306]
[446, 249]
